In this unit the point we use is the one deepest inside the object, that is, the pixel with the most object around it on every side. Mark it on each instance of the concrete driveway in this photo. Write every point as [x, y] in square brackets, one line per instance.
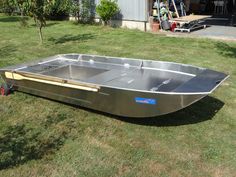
[216, 32]
[221, 28]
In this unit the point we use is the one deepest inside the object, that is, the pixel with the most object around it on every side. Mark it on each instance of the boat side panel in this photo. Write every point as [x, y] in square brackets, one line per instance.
[114, 101]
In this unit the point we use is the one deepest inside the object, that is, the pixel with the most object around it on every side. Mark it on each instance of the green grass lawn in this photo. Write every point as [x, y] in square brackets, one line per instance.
[40, 137]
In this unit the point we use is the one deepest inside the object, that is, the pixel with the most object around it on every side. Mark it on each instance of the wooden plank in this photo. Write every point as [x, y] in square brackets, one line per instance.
[17, 76]
[190, 18]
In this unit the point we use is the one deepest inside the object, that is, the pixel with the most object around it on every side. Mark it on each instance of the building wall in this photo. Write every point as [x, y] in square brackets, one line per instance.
[130, 24]
[134, 10]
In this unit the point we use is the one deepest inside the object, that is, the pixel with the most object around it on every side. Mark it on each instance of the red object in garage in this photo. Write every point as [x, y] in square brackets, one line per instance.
[173, 26]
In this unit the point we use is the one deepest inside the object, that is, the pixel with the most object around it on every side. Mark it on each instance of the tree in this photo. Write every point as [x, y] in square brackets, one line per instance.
[8, 6]
[14, 7]
[83, 10]
[86, 10]
[75, 9]
[38, 9]
[22, 5]
[107, 9]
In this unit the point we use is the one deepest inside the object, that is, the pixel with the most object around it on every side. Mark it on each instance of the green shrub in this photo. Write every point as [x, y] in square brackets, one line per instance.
[59, 10]
[107, 9]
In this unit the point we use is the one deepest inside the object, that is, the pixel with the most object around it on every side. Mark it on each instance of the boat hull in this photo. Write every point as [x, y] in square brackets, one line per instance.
[118, 86]
[121, 102]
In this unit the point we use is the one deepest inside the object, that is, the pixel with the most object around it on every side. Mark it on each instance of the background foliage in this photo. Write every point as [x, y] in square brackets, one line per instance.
[107, 9]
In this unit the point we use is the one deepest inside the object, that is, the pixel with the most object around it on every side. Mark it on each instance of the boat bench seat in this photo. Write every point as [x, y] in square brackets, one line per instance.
[109, 76]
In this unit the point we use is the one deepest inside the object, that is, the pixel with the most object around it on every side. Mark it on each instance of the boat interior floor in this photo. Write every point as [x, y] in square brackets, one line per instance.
[129, 75]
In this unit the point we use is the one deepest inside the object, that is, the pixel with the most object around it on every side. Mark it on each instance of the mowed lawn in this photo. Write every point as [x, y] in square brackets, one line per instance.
[40, 137]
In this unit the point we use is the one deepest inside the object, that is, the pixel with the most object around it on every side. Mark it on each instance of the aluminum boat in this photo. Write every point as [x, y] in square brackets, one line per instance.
[119, 86]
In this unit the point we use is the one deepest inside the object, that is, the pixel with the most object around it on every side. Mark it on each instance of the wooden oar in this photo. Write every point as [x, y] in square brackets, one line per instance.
[16, 76]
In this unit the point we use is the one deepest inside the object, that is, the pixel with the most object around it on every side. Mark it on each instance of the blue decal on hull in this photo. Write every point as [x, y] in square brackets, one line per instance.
[145, 100]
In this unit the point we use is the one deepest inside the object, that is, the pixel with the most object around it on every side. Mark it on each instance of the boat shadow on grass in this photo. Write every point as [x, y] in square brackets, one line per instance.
[200, 111]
